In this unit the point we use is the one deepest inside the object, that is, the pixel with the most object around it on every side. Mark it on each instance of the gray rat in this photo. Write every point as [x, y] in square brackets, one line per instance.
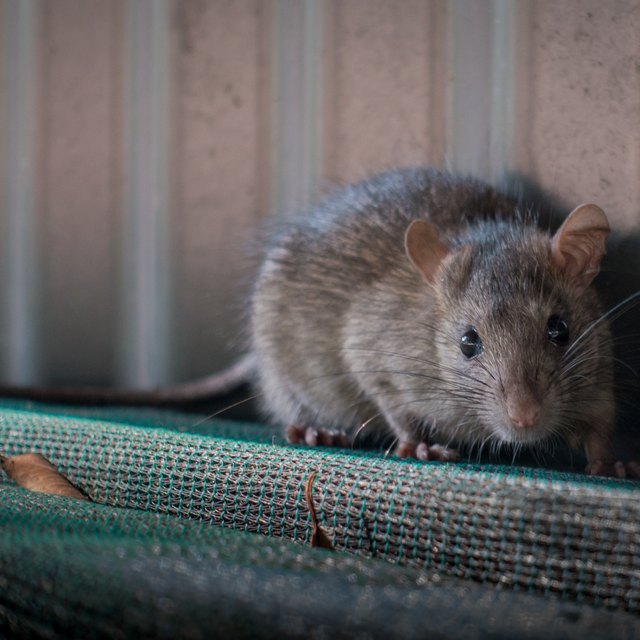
[429, 307]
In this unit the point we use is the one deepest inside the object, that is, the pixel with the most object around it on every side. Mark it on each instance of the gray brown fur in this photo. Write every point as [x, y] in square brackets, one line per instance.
[345, 331]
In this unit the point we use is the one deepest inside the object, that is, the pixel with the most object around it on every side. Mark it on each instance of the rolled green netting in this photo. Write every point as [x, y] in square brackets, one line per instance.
[497, 549]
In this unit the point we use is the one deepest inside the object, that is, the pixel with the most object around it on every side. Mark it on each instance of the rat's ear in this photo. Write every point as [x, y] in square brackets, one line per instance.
[577, 248]
[424, 248]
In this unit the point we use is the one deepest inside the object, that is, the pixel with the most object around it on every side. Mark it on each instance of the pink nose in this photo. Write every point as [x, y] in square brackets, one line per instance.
[523, 415]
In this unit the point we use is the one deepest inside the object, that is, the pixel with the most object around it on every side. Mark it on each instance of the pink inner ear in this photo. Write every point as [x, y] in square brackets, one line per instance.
[581, 253]
[579, 245]
[424, 249]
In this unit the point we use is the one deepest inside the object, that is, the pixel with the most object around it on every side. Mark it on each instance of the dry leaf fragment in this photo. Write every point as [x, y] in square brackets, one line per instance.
[318, 537]
[34, 472]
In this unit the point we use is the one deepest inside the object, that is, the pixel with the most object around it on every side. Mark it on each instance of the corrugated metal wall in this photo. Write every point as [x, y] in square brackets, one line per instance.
[143, 142]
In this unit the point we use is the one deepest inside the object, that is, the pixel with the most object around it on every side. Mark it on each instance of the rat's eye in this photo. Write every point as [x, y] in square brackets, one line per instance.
[471, 344]
[557, 330]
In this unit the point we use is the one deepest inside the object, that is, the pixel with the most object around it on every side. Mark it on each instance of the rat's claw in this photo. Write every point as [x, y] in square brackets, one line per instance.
[328, 438]
[614, 469]
[440, 452]
[294, 433]
[405, 449]
[422, 451]
[312, 437]
[619, 470]
[601, 468]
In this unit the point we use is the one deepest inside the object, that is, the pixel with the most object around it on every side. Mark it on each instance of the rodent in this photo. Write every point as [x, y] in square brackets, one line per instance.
[432, 308]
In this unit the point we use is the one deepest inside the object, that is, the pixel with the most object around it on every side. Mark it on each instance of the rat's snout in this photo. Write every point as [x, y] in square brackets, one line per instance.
[523, 410]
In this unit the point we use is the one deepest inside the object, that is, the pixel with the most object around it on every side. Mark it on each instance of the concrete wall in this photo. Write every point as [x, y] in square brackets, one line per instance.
[143, 143]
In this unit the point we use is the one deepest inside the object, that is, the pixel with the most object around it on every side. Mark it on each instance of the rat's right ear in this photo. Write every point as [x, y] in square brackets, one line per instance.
[577, 248]
[424, 248]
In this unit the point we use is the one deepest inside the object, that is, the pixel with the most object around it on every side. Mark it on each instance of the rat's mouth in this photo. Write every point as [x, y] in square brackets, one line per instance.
[522, 422]
[512, 434]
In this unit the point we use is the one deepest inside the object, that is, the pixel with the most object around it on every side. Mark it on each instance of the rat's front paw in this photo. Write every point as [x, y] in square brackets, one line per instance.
[313, 437]
[423, 451]
[614, 469]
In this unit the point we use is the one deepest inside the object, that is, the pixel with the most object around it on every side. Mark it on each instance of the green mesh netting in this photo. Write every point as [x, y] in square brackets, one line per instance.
[493, 550]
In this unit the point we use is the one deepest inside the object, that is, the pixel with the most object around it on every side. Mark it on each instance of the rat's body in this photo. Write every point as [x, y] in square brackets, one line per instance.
[425, 307]
[351, 331]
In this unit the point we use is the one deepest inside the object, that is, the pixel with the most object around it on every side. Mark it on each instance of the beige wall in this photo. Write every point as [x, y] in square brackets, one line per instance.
[385, 94]
[266, 102]
[80, 140]
[581, 139]
[220, 168]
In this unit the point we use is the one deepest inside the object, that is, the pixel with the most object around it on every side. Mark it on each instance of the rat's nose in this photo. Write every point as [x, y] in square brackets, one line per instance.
[523, 413]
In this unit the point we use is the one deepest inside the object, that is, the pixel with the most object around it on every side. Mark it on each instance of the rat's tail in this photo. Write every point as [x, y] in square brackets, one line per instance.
[200, 390]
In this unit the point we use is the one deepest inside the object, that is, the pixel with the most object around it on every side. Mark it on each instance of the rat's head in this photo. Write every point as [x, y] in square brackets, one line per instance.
[517, 340]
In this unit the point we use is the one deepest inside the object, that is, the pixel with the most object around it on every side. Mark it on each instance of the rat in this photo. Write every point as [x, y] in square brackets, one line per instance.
[431, 308]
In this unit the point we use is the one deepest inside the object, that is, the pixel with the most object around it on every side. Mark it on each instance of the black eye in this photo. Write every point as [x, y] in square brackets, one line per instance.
[557, 330]
[471, 344]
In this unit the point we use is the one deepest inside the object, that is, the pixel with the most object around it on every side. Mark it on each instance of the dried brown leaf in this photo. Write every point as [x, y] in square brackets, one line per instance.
[318, 537]
[34, 472]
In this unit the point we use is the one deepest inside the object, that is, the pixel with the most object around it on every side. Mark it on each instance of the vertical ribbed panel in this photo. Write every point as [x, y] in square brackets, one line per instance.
[384, 79]
[19, 248]
[144, 353]
[470, 86]
[221, 170]
[482, 59]
[298, 83]
[79, 191]
[505, 61]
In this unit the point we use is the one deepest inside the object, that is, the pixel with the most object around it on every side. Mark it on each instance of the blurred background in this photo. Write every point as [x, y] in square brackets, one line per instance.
[145, 143]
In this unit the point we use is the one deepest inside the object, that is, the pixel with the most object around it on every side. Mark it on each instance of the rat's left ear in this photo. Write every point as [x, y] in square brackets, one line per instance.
[424, 248]
[577, 248]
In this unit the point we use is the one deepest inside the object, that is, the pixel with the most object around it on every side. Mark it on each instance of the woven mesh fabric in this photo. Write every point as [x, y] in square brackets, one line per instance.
[526, 530]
